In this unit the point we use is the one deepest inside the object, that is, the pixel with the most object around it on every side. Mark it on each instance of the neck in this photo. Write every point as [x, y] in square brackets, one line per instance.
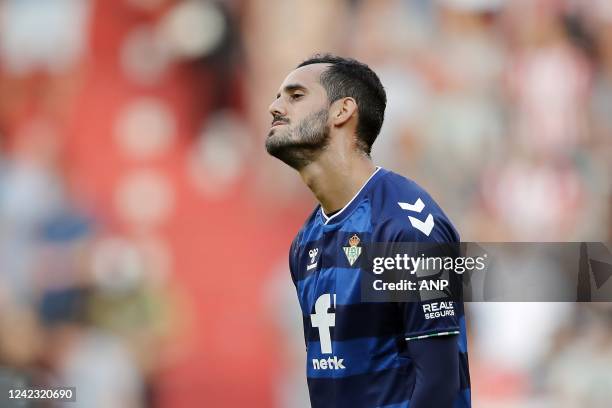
[335, 179]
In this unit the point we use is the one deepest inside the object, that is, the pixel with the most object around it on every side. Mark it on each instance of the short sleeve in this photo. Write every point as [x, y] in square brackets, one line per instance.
[431, 313]
[293, 255]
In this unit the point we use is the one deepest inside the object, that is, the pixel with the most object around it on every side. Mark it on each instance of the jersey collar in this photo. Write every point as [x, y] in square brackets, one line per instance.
[341, 214]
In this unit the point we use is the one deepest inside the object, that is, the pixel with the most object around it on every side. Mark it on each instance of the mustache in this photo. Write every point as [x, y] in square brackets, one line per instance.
[277, 118]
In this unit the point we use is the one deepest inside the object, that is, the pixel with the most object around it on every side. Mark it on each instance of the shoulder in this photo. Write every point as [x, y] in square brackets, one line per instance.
[307, 232]
[403, 211]
[305, 236]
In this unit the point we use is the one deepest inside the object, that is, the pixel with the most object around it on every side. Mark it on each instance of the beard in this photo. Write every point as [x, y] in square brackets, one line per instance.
[300, 145]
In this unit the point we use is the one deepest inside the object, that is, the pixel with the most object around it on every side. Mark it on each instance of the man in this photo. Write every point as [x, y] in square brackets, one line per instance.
[326, 116]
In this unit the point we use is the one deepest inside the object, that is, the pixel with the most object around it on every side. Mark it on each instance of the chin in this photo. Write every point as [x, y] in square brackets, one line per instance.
[279, 137]
[274, 144]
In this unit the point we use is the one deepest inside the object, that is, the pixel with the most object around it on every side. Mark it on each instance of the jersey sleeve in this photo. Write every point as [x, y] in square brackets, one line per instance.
[293, 255]
[427, 315]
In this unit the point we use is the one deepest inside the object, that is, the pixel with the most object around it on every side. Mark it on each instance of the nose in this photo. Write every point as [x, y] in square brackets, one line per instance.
[276, 108]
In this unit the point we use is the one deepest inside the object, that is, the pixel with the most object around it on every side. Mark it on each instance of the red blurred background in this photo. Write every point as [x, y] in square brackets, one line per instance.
[144, 232]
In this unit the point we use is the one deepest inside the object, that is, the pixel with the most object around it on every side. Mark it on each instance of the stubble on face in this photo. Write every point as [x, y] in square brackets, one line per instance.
[300, 145]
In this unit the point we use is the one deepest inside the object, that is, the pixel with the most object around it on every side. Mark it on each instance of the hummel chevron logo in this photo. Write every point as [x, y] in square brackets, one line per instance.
[426, 226]
[416, 207]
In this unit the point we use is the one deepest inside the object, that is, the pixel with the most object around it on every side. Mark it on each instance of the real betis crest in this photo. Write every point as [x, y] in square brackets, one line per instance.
[353, 251]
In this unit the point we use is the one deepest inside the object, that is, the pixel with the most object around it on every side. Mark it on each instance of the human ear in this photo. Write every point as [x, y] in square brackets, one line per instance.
[343, 110]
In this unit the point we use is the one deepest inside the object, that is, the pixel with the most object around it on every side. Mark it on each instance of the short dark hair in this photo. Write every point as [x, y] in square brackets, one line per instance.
[347, 77]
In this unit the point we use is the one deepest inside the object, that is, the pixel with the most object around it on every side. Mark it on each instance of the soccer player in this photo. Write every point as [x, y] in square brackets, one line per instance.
[326, 116]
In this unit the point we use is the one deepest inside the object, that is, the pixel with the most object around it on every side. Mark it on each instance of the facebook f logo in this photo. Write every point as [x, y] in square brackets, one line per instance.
[323, 320]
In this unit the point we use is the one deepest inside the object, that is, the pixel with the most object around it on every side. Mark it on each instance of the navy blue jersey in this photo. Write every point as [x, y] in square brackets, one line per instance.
[356, 350]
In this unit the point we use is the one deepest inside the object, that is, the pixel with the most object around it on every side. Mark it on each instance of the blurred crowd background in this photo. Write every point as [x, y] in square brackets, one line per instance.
[144, 231]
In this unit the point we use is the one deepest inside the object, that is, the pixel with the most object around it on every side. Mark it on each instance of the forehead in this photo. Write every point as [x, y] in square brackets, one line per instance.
[307, 76]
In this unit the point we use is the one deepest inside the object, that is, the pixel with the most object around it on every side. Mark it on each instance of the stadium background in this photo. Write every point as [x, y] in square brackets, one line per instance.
[144, 231]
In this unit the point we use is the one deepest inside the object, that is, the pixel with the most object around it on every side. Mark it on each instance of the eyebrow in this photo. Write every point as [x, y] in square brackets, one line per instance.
[292, 88]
